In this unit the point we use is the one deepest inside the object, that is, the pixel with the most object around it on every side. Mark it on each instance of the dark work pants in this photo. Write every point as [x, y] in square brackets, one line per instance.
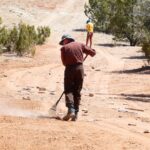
[73, 81]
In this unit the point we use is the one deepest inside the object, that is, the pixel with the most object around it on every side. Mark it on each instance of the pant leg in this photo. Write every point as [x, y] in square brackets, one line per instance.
[78, 83]
[68, 89]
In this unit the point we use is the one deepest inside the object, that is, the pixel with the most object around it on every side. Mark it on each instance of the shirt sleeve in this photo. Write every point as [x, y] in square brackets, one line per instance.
[88, 51]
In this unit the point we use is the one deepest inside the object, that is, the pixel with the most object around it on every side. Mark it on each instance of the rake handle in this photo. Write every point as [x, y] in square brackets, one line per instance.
[85, 57]
[59, 98]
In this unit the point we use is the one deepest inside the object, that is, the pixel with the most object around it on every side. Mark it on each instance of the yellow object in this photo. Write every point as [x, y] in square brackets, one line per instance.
[90, 27]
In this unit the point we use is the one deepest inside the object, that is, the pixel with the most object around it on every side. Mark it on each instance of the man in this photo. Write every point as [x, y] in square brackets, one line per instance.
[89, 28]
[72, 59]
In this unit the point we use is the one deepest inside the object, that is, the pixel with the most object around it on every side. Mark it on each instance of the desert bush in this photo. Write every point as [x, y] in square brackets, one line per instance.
[4, 34]
[12, 39]
[146, 50]
[43, 33]
[0, 20]
[1, 50]
[23, 43]
[23, 38]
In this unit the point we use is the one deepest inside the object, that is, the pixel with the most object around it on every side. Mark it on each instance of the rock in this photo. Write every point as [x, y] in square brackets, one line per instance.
[131, 124]
[91, 95]
[93, 67]
[26, 98]
[122, 110]
[146, 131]
[97, 70]
[4, 75]
[85, 110]
[52, 93]
[41, 92]
[41, 88]
[26, 89]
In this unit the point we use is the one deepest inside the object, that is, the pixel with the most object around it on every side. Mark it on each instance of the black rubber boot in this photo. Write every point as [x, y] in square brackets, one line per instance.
[75, 117]
[69, 115]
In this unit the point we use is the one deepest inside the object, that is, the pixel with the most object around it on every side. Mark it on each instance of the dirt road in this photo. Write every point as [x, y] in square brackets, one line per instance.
[115, 103]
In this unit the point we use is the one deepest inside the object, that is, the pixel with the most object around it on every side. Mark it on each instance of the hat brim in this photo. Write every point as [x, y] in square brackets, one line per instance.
[70, 39]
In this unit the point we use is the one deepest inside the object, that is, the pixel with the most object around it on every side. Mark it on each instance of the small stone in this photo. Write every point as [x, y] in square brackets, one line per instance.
[131, 124]
[93, 67]
[41, 88]
[26, 98]
[4, 75]
[52, 93]
[122, 110]
[146, 131]
[41, 92]
[91, 95]
[85, 110]
[97, 70]
[26, 89]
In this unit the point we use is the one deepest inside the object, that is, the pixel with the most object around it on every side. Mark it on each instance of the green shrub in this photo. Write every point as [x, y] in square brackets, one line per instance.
[0, 20]
[1, 50]
[22, 39]
[23, 43]
[146, 50]
[43, 33]
[4, 35]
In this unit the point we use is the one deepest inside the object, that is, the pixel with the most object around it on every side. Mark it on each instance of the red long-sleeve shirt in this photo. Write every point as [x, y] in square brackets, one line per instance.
[72, 53]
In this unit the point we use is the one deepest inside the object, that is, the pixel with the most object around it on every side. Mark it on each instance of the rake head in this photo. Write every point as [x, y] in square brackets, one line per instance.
[52, 110]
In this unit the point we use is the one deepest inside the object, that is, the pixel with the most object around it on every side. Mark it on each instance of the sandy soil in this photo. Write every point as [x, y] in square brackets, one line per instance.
[115, 103]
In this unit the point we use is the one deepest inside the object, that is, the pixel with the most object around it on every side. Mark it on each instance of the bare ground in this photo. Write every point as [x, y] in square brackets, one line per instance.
[115, 103]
